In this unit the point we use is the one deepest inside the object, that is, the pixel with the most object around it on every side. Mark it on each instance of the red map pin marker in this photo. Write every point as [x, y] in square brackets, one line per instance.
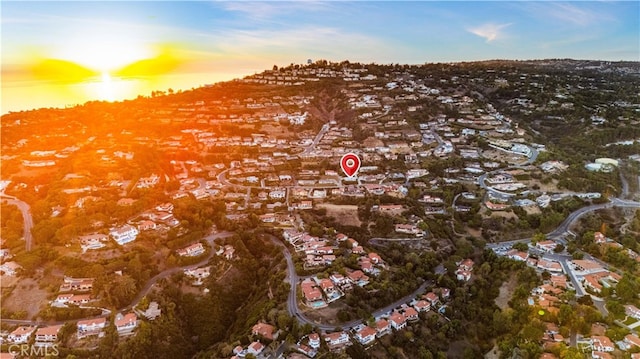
[350, 164]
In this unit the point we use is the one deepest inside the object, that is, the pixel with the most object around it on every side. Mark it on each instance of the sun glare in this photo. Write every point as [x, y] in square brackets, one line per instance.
[106, 87]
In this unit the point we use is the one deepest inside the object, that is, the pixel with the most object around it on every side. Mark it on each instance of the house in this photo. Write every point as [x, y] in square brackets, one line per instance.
[192, 250]
[463, 275]
[198, 273]
[264, 330]
[10, 268]
[146, 225]
[599, 237]
[550, 266]
[632, 311]
[93, 241]
[124, 234]
[78, 299]
[398, 321]
[229, 251]
[632, 340]
[366, 335]
[592, 282]
[587, 266]
[359, 278]
[410, 314]
[546, 246]
[76, 284]
[422, 306]
[48, 334]
[314, 340]
[153, 311]
[21, 334]
[432, 298]
[445, 293]
[408, 229]
[91, 327]
[125, 324]
[309, 352]
[602, 344]
[517, 255]
[255, 348]
[466, 264]
[312, 294]
[382, 327]
[63, 298]
[375, 258]
[336, 339]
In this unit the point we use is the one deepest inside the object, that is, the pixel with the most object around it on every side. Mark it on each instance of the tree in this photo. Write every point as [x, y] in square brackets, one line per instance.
[521, 246]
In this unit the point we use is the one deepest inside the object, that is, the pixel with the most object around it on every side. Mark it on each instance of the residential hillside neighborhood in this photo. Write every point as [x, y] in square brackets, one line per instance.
[494, 214]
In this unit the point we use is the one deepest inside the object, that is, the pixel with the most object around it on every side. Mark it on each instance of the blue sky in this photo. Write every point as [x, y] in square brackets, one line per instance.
[404, 32]
[219, 40]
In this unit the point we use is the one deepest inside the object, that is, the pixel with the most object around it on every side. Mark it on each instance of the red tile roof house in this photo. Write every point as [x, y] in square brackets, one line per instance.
[21, 334]
[422, 306]
[366, 335]
[255, 348]
[375, 258]
[633, 340]
[91, 327]
[602, 344]
[77, 284]
[193, 250]
[382, 327]
[336, 339]
[264, 330]
[78, 299]
[125, 324]
[359, 278]
[314, 340]
[312, 294]
[410, 314]
[62, 299]
[546, 246]
[432, 298]
[398, 321]
[467, 264]
[48, 334]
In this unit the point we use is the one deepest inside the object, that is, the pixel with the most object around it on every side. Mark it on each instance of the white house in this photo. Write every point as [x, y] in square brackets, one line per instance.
[21, 334]
[398, 321]
[602, 344]
[126, 323]
[632, 311]
[91, 327]
[192, 250]
[366, 335]
[337, 338]
[48, 334]
[10, 268]
[124, 234]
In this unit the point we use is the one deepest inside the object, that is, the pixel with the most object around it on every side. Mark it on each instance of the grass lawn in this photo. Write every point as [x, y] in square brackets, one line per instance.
[629, 321]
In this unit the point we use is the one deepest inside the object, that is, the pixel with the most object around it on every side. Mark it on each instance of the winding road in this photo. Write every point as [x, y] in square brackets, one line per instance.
[26, 218]
[292, 300]
[292, 304]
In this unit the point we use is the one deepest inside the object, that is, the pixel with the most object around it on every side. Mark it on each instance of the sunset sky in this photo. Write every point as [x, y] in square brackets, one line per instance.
[59, 53]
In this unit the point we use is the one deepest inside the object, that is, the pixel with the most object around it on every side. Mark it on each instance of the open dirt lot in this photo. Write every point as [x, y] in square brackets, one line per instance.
[344, 214]
[506, 291]
[327, 315]
[27, 296]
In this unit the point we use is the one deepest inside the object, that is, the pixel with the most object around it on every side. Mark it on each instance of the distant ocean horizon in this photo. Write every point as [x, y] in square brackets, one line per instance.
[32, 95]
